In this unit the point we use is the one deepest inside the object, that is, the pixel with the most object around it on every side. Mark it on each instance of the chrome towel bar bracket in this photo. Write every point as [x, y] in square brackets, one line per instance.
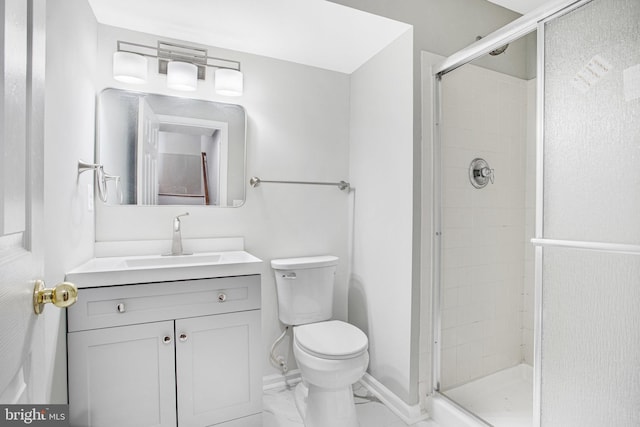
[342, 185]
[101, 178]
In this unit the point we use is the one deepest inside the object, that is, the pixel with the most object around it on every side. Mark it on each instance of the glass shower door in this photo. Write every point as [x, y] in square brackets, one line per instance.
[589, 238]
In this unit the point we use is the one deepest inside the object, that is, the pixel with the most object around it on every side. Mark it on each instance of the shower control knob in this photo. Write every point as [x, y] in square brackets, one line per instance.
[480, 174]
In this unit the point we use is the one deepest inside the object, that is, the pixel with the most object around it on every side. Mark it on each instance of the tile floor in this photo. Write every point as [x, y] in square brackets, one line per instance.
[280, 410]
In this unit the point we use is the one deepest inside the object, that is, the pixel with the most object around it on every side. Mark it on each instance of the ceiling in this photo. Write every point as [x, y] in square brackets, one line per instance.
[318, 33]
[520, 6]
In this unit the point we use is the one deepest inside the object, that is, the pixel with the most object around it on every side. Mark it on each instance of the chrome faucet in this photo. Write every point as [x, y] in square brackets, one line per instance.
[176, 243]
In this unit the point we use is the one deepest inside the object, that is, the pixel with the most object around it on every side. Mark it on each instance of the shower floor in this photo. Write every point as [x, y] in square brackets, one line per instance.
[503, 399]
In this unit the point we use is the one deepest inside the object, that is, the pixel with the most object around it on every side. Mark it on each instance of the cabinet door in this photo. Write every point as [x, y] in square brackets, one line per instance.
[218, 368]
[122, 376]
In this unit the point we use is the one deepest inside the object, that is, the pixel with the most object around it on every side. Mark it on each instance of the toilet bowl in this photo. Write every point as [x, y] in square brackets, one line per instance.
[331, 354]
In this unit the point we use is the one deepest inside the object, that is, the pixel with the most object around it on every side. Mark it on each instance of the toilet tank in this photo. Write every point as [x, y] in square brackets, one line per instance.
[305, 288]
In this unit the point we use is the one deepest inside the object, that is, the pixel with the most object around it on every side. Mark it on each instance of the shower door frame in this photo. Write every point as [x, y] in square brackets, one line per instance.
[533, 21]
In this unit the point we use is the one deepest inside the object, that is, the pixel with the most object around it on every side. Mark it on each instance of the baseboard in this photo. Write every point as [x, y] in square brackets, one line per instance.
[270, 382]
[410, 414]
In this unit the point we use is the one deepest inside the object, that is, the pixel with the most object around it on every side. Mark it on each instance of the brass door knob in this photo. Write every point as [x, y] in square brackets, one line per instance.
[63, 295]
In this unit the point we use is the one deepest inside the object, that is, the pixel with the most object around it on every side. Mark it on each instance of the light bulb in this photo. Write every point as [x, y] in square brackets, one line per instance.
[129, 67]
[228, 82]
[182, 76]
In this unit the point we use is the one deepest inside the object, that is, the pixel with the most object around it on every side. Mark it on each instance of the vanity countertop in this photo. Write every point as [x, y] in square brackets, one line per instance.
[108, 271]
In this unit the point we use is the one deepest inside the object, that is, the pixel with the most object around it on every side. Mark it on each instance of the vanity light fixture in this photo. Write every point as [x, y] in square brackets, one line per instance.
[182, 76]
[129, 67]
[183, 65]
[228, 82]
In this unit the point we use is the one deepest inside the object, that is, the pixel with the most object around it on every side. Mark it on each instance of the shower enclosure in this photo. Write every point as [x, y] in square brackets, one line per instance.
[536, 230]
[487, 204]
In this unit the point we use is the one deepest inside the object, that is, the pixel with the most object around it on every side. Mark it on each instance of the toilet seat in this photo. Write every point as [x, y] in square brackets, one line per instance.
[331, 340]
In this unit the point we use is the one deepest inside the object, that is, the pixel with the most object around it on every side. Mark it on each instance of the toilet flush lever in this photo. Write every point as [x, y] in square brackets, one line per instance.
[290, 276]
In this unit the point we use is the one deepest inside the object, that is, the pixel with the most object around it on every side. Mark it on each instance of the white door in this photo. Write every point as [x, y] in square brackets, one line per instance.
[147, 153]
[22, 40]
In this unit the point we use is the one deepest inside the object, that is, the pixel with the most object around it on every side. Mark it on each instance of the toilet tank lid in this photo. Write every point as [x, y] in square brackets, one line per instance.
[305, 262]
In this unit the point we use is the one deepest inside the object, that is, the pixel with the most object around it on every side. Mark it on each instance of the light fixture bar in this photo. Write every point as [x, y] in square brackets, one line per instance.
[169, 51]
[178, 52]
[183, 66]
[139, 49]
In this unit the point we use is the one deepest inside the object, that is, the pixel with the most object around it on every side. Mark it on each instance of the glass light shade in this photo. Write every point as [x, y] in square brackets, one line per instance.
[182, 76]
[228, 82]
[129, 67]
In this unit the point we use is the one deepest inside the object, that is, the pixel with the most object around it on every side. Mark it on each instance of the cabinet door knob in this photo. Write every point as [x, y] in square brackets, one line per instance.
[183, 337]
[222, 297]
[121, 308]
[166, 339]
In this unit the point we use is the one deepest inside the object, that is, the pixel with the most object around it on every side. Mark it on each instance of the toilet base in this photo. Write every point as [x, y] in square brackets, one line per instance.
[326, 407]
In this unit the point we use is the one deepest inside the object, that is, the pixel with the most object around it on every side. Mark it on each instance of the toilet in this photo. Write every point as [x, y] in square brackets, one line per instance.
[331, 354]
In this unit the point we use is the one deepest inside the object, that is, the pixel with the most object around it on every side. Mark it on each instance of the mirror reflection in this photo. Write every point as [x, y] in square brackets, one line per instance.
[171, 151]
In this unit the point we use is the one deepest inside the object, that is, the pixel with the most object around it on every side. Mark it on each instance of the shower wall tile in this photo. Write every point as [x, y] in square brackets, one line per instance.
[483, 231]
[457, 198]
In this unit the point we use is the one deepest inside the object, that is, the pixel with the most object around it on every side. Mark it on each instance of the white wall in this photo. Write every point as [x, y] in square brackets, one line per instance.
[442, 27]
[69, 133]
[298, 129]
[380, 170]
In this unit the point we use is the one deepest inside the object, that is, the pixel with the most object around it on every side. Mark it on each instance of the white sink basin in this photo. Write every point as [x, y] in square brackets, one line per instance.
[110, 271]
[168, 261]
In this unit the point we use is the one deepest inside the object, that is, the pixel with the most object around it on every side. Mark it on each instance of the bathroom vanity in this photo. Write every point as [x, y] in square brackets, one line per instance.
[166, 341]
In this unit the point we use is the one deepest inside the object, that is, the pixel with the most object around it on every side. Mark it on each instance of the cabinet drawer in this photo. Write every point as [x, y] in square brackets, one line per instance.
[151, 302]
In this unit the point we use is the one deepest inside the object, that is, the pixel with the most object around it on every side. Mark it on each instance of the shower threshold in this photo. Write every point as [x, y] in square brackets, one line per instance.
[502, 399]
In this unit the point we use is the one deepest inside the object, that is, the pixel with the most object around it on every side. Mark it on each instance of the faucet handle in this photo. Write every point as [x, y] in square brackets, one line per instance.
[176, 221]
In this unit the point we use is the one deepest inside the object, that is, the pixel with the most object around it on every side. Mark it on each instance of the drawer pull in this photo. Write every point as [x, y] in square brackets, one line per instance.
[183, 337]
[121, 308]
[166, 339]
[222, 297]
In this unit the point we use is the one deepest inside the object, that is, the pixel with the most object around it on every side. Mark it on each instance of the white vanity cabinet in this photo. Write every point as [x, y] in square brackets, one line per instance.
[183, 353]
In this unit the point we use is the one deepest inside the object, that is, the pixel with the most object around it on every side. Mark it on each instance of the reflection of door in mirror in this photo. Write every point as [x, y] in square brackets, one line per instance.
[147, 155]
[170, 150]
[191, 170]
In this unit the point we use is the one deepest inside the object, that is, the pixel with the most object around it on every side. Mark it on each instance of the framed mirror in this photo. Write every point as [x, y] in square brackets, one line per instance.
[164, 150]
